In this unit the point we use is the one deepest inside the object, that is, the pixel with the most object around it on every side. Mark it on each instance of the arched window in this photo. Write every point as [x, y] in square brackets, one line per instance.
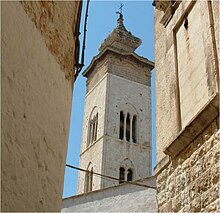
[129, 175]
[89, 180]
[121, 126]
[128, 127]
[126, 171]
[93, 127]
[121, 175]
[134, 129]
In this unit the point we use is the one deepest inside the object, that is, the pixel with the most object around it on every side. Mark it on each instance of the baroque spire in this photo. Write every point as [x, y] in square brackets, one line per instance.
[121, 39]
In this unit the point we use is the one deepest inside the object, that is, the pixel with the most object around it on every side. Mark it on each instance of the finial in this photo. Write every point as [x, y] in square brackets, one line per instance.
[120, 11]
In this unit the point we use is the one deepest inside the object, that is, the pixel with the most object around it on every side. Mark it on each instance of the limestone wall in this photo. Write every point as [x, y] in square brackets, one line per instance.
[95, 100]
[187, 105]
[190, 183]
[36, 104]
[116, 151]
[107, 93]
[128, 96]
[186, 71]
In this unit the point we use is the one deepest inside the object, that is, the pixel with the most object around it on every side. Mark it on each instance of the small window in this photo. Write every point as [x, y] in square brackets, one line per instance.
[129, 175]
[121, 175]
[121, 131]
[93, 127]
[128, 127]
[186, 23]
[134, 129]
[89, 180]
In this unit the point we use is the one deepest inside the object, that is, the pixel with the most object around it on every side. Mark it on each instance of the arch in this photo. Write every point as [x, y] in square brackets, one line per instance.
[88, 178]
[92, 126]
[127, 164]
[93, 112]
[127, 107]
[126, 171]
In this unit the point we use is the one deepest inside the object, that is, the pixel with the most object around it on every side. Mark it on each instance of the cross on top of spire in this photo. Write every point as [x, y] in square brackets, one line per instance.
[120, 11]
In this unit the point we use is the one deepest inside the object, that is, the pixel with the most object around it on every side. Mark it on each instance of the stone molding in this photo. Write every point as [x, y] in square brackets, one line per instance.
[107, 50]
[195, 127]
[168, 7]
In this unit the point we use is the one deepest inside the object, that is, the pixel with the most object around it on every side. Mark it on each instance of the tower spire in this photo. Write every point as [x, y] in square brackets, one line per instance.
[120, 19]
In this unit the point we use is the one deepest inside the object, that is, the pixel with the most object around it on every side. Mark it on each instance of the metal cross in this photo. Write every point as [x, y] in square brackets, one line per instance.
[120, 8]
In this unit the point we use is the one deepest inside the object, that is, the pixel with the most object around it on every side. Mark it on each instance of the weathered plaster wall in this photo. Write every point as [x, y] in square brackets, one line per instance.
[121, 198]
[57, 22]
[187, 107]
[36, 106]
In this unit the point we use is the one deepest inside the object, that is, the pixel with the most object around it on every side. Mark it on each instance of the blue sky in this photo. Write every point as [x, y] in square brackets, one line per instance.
[139, 20]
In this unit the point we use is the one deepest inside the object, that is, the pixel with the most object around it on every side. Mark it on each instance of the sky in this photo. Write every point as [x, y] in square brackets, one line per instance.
[102, 19]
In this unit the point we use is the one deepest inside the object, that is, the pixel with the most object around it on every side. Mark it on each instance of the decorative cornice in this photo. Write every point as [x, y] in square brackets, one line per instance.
[115, 51]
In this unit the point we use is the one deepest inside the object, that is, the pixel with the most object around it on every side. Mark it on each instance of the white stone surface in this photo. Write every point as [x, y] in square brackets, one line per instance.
[121, 198]
[93, 153]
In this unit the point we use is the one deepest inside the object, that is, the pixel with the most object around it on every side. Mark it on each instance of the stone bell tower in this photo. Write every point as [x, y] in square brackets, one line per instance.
[116, 136]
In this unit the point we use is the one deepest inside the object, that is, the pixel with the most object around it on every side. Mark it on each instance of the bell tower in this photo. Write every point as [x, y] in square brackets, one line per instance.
[116, 136]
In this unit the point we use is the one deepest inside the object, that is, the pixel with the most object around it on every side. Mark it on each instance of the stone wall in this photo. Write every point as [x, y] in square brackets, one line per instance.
[190, 182]
[109, 94]
[187, 105]
[182, 91]
[127, 66]
[95, 100]
[36, 102]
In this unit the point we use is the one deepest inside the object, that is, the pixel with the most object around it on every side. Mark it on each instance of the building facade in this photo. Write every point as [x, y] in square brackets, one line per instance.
[116, 136]
[187, 105]
[37, 57]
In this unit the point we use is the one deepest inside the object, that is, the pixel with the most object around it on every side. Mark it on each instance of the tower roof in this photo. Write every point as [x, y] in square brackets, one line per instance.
[119, 42]
[121, 39]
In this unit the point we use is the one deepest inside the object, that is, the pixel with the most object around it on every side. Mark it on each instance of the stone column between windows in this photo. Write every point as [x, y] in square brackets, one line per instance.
[126, 175]
[125, 118]
[131, 138]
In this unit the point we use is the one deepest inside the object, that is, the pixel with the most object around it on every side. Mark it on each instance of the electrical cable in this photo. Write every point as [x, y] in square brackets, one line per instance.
[109, 177]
